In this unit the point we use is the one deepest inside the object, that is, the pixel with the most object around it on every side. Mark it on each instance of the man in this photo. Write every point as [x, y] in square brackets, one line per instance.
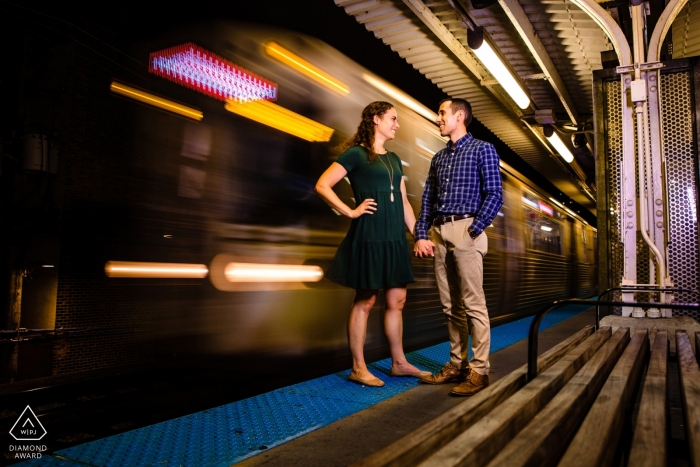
[463, 194]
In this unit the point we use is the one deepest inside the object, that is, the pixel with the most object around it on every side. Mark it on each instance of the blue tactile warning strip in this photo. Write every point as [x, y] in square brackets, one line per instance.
[228, 434]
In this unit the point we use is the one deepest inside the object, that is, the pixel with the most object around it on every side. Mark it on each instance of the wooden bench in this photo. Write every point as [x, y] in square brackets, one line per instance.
[573, 413]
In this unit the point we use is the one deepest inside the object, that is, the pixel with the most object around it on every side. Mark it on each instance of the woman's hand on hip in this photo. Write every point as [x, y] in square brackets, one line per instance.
[368, 206]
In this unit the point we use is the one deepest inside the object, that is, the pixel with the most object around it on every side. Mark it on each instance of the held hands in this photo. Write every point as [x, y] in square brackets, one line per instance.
[423, 248]
[368, 206]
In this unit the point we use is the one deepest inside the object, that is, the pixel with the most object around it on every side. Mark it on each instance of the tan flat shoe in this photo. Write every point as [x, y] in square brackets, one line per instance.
[417, 373]
[374, 382]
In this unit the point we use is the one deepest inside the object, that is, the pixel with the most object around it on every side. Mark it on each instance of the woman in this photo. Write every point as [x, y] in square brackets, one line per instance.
[374, 254]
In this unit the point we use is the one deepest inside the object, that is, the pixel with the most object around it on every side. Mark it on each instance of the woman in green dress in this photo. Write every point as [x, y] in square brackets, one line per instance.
[374, 254]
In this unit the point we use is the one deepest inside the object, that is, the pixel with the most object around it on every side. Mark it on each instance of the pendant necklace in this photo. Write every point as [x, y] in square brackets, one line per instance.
[391, 173]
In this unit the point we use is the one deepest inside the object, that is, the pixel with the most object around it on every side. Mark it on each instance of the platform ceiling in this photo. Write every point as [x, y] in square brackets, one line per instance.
[552, 46]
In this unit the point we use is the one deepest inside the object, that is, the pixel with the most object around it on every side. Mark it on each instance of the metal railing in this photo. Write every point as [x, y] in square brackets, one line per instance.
[533, 335]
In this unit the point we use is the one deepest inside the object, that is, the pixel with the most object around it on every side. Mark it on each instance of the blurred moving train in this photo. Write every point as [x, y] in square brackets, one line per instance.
[228, 189]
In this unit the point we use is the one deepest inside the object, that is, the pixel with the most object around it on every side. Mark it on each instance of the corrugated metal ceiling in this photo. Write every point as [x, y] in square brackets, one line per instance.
[431, 35]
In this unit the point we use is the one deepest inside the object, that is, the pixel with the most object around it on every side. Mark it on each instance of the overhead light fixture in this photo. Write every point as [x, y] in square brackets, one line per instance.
[281, 119]
[546, 228]
[155, 270]
[155, 101]
[558, 144]
[482, 49]
[292, 60]
[256, 272]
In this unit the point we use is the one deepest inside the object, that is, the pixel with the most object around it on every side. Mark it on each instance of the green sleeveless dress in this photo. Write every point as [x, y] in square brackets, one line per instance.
[374, 253]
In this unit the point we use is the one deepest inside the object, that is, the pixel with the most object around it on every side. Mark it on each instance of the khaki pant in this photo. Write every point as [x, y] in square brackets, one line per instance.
[459, 271]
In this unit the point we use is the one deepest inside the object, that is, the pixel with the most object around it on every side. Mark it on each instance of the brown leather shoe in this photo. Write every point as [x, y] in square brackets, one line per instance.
[473, 384]
[449, 373]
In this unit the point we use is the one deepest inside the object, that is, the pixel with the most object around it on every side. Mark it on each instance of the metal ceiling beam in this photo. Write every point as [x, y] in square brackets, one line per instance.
[611, 28]
[665, 21]
[517, 16]
[435, 25]
[455, 46]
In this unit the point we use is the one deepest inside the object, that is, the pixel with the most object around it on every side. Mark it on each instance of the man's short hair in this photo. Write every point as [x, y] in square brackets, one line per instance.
[457, 103]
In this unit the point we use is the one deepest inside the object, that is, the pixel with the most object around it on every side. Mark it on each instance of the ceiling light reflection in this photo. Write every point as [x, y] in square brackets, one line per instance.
[402, 98]
[155, 270]
[255, 272]
[155, 101]
[294, 61]
[281, 119]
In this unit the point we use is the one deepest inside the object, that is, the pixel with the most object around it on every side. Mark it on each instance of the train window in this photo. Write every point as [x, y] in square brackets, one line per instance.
[542, 231]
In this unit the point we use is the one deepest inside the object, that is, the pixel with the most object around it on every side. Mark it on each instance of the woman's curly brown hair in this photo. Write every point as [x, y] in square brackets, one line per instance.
[365, 131]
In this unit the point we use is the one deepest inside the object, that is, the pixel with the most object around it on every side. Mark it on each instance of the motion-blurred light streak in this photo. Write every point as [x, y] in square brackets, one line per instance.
[282, 119]
[155, 101]
[545, 208]
[155, 270]
[292, 60]
[402, 98]
[205, 72]
[256, 272]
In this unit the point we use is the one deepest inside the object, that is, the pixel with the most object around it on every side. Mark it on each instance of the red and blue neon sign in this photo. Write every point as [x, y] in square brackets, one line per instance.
[205, 72]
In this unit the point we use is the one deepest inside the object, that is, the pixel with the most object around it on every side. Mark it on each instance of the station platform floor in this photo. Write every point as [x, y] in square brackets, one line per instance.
[327, 421]
[355, 437]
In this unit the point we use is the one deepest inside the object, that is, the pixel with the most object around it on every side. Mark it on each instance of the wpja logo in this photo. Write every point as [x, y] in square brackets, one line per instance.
[27, 428]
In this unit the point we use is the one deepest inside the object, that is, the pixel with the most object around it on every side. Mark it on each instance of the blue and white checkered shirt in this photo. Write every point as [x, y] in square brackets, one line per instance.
[463, 180]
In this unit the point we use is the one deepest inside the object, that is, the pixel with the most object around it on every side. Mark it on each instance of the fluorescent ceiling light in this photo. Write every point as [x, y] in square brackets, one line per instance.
[546, 228]
[499, 71]
[560, 147]
[302, 66]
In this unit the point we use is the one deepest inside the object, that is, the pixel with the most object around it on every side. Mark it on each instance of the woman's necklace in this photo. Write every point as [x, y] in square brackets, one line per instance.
[390, 172]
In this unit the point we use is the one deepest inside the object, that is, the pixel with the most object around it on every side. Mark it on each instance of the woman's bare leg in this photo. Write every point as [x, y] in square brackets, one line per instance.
[357, 330]
[395, 299]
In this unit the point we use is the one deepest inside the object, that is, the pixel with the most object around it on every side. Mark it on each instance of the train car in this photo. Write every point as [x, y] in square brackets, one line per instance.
[229, 191]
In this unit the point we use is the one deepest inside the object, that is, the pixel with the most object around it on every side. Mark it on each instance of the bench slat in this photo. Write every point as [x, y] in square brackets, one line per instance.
[483, 440]
[603, 425]
[649, 439]
[415, 446]
[546, 436]
[690, 390]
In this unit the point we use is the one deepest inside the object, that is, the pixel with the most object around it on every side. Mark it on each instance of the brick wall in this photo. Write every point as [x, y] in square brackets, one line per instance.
[113, 317]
